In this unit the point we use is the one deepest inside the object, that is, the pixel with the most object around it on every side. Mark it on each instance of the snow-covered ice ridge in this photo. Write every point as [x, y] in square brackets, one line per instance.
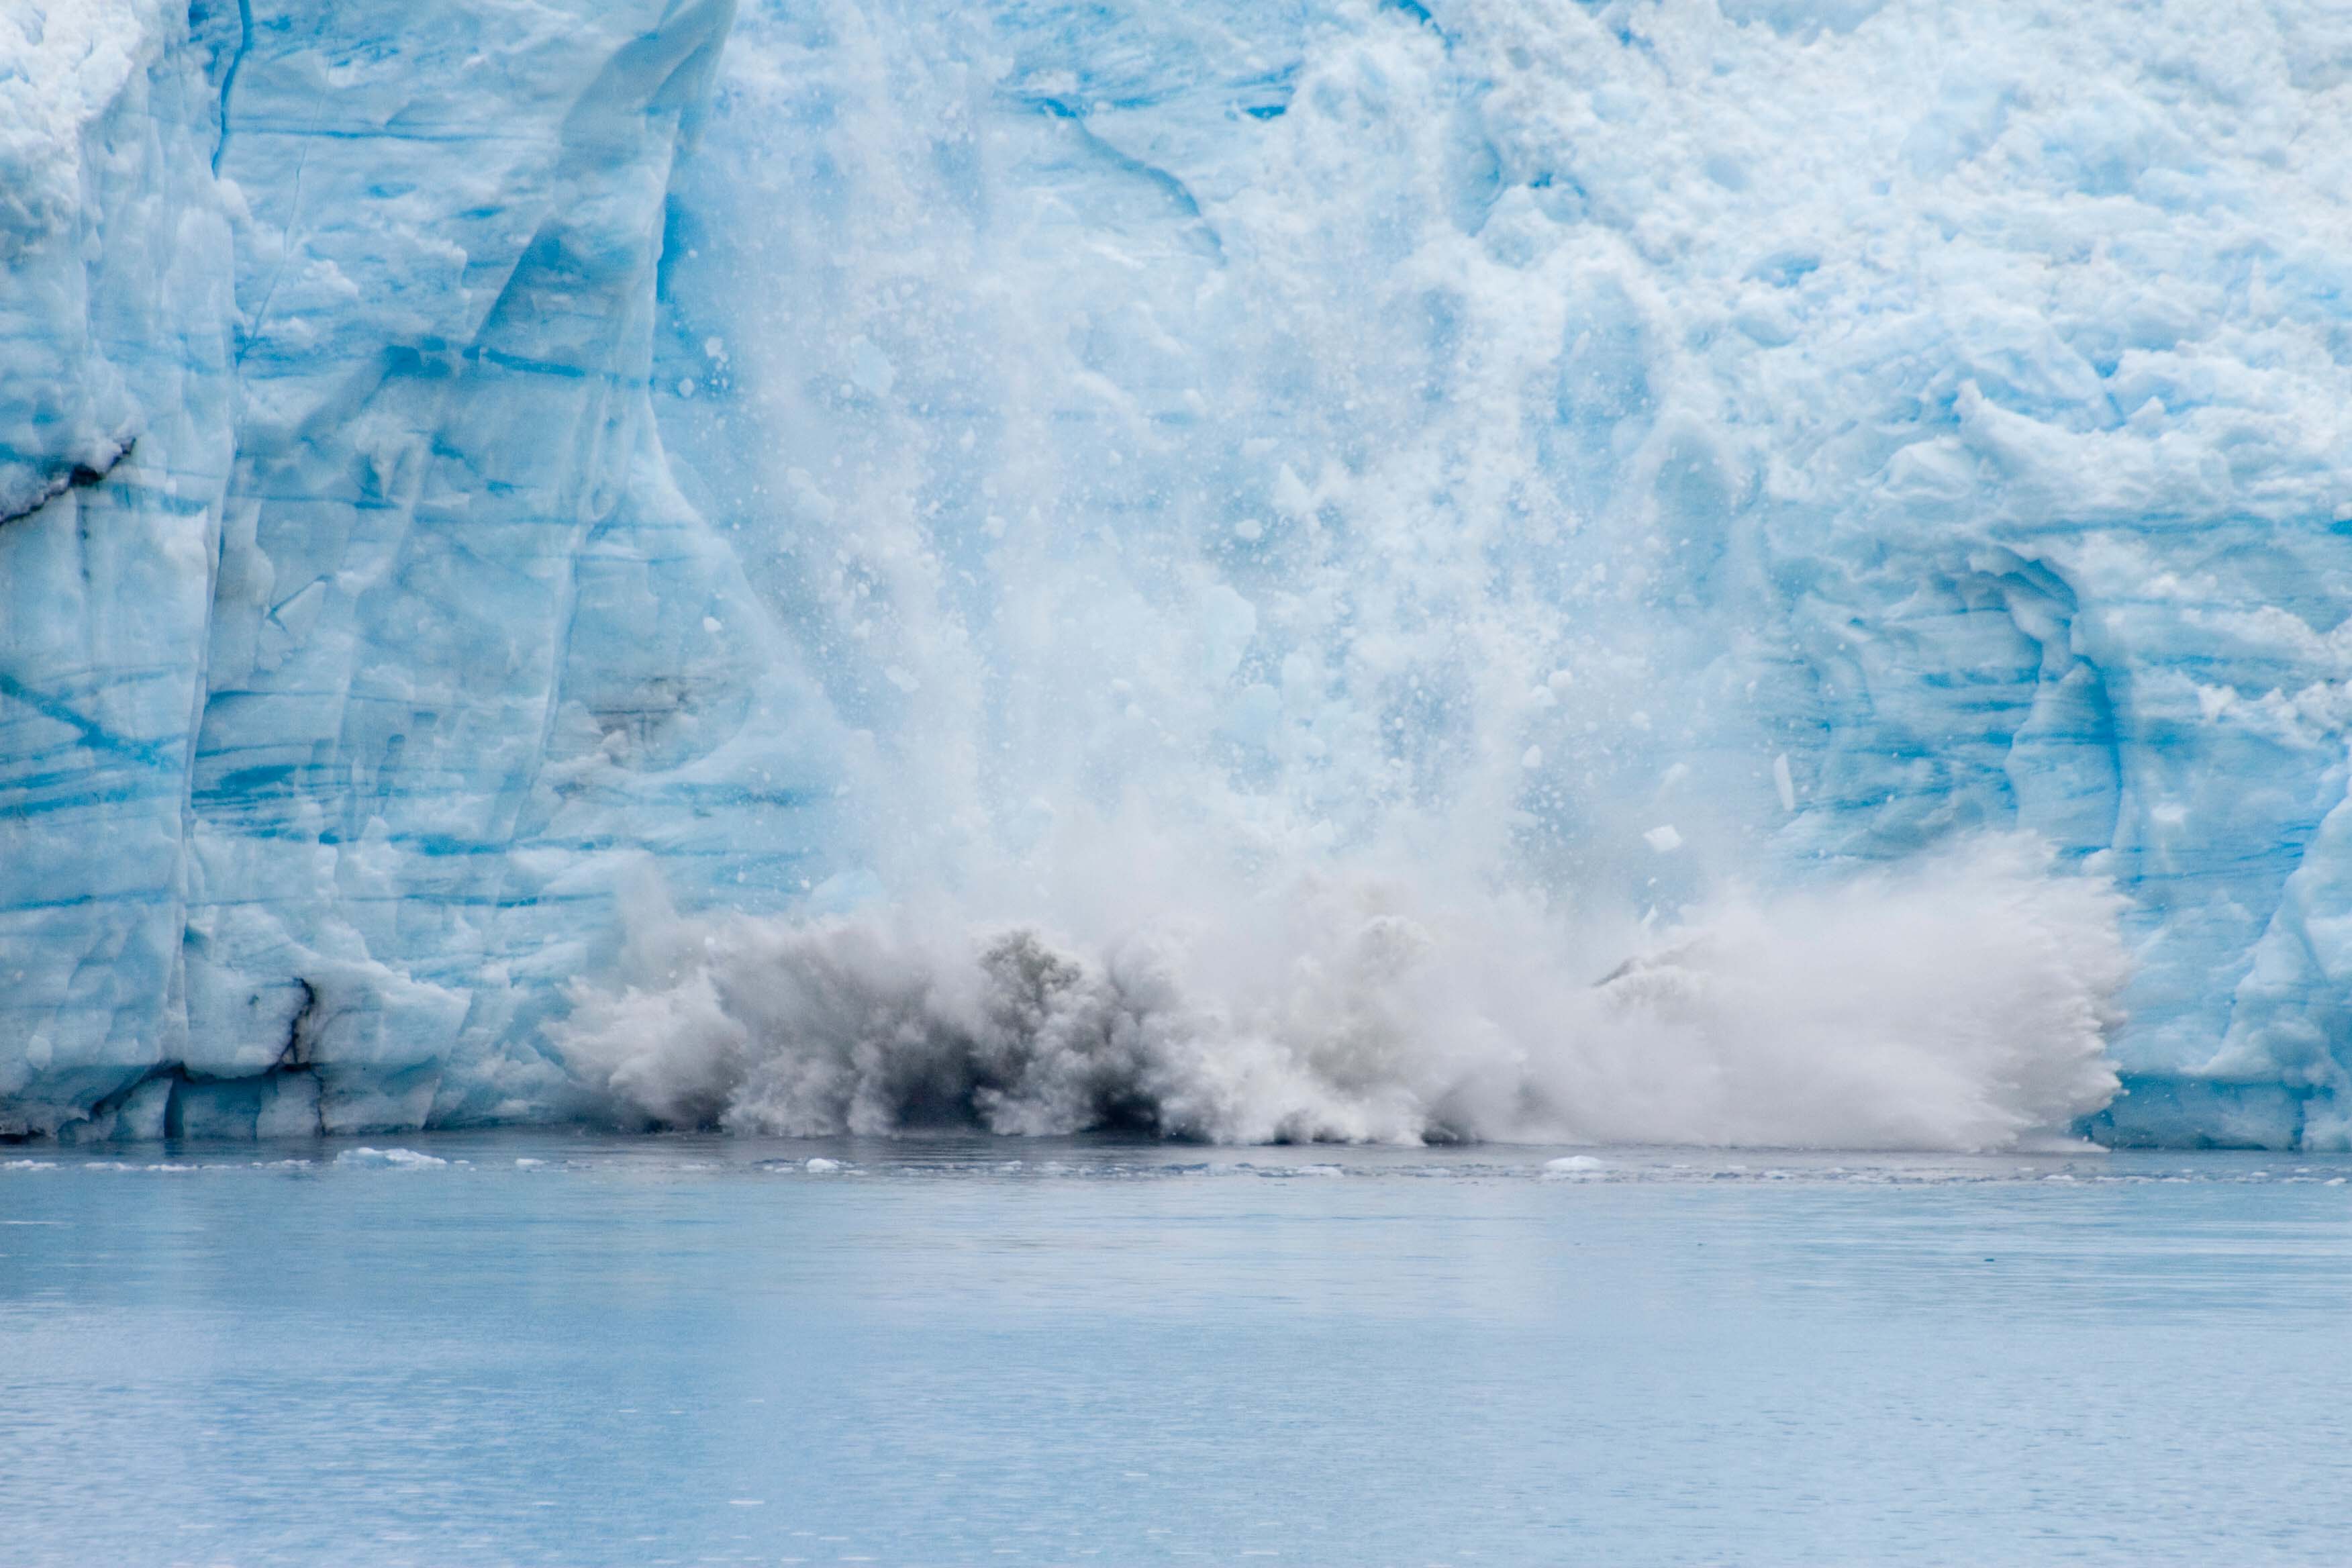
[565, 558]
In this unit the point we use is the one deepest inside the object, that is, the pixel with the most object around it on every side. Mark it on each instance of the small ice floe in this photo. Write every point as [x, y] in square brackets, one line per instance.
[820, 1164]
[527, 1164]
[28, 1165]
[388, 1158]
[1570, 1167]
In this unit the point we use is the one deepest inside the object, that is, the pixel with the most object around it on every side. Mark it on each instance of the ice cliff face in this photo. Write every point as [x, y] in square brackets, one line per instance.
[352, 309]
[1606, 449]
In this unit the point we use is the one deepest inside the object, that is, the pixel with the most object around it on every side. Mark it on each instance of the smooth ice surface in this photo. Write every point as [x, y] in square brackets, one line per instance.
[1439, 568]
[558, 1350]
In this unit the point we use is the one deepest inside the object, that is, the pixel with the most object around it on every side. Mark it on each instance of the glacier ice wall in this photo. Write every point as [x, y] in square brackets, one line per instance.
[1026, 454]
[351, 307]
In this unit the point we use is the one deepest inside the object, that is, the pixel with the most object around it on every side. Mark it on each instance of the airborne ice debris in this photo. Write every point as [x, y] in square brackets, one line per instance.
[1664, 839]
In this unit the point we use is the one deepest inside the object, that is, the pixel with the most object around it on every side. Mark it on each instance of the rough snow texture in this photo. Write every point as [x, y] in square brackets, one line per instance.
[1679, 441]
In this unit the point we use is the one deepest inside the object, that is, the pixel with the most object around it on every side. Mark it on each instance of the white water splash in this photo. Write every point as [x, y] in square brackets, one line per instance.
[1960, 1005]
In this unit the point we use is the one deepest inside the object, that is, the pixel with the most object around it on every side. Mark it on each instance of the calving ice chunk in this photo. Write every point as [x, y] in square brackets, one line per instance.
[1196, 567]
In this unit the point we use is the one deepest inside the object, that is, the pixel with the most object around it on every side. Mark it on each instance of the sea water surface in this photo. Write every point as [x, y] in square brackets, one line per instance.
[548, 1348]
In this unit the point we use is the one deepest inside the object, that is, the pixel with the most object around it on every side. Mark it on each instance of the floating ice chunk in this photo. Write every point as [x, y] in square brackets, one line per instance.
[1574, 1165]
[388, 1158]
[1664, 839]
[820, 1164]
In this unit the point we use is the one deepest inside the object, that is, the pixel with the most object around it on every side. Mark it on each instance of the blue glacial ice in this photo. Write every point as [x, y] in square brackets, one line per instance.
[1726, 570]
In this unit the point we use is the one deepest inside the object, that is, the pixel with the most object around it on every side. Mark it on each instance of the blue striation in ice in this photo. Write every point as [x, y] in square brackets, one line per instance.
[1731, 571]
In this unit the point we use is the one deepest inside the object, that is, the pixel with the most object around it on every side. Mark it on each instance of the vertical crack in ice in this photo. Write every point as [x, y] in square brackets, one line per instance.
[228, 79]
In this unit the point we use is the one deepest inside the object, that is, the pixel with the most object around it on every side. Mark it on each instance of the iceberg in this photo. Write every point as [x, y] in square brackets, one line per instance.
[1727, 570]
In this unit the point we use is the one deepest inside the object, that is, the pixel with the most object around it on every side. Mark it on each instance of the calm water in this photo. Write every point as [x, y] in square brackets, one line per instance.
[702, 1351]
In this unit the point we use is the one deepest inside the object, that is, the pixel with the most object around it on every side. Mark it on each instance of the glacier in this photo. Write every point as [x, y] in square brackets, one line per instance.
[1727, 571]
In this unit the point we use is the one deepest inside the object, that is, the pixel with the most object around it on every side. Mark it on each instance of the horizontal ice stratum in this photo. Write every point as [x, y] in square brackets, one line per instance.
[1741, 571]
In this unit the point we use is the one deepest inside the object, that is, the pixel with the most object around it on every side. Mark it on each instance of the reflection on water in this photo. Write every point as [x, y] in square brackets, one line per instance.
[540, 1348]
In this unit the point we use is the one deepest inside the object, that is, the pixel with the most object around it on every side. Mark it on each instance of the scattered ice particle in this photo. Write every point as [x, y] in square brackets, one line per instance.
[1561, 679]
[529, 1164]
[1532, 758]
[1783, 783]
[870, 368]
[685, 386]
[1664, 839]
[712, 624]
[1249, 528]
